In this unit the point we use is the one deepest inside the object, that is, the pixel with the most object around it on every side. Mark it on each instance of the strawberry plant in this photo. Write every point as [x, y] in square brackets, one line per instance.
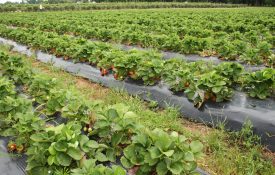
[90, 167]
[56, 148]
[149, 68]
[212, 86]
[227, 51]
[6, 88]
[12, 105]
[56, 100]
[41, 86]
[115, 128]
[83, 52]
[162, 153]
[127, 65]
[230, 70]
[271, 61]
[264, 49]
[76, 108]
[23, 126]
[14, 68]
[261, 83]
[68, 103]
[251, 56]
[150, 71]
[177, 75]
[106, 62]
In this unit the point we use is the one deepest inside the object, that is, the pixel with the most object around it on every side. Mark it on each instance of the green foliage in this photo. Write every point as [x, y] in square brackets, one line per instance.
[148, 65]
[66, 148]
[210, 86]
[260, 84]
[230, 38]
[6, 88]
[57, 147]
[23, 126]
[90, 167]
[232, 71]
[157, 151]
[41, 86]
[70, 104]
[14, 68]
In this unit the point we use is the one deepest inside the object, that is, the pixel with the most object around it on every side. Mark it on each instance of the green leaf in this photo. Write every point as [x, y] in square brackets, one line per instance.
[9, 132]
[51, 159]
[111, 154]
[189, 156]
[32, 164]
[130, 114]
[51, 150]
[141, 138]
[126, 163]
[76, 154]
[116, 138]
[39, 137]
[217, 89]
[92, 144]
[196, 146]
[161, 168]
[83, 140]
[101, 157]
[163, 140]
[41, 170]
[155, 152]
[176, 168]
[63, 159]
[149, 160]
[169, 153]
[119, 170]
[60, 146]
[112, 113]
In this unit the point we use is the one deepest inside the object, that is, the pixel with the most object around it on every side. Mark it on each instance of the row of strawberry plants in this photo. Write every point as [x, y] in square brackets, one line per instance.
[200, 81]
[110, 5]
[93, 136]
[249, 41]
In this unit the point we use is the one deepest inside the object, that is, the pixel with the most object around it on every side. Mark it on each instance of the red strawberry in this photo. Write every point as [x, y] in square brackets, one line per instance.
[214, 98]
[12, 147]
[131, 73]
[105, 71]
[116, 76]
[186, 84]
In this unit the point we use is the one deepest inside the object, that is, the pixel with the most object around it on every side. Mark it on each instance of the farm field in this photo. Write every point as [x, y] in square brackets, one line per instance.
[61, 92]
[68, 125]
[250, 43]
[231, 34]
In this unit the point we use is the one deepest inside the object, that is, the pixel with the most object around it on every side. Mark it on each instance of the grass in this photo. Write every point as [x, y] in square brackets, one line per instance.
[226, 153]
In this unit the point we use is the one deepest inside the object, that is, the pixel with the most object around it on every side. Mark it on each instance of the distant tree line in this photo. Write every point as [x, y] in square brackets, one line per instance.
[249, 2]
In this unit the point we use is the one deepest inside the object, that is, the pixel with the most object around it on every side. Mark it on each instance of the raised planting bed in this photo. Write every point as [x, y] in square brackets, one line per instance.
[234, 113]
[166, 55]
